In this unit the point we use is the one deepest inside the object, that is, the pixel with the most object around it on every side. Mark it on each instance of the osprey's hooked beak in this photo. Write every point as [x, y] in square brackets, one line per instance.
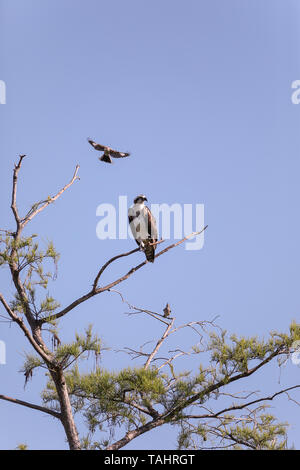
[145, 199]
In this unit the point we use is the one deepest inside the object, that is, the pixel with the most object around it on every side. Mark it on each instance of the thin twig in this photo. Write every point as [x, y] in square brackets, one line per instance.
[139, 309]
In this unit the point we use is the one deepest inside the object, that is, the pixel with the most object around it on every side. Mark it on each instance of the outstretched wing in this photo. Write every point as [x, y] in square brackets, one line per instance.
[116, 154]
[108, 151]
[96, 146]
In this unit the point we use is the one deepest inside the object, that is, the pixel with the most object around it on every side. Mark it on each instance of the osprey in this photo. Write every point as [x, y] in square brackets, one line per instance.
[143, 226]
[108, 152]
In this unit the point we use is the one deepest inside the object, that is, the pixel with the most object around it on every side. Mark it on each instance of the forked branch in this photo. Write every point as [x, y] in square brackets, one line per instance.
[14, 191]
[40, 206]
[98, 290]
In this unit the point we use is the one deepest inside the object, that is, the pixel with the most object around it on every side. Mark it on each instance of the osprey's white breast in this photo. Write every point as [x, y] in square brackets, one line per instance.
[139, 225]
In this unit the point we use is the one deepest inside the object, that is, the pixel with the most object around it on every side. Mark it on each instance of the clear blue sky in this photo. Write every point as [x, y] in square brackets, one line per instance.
[200, 93]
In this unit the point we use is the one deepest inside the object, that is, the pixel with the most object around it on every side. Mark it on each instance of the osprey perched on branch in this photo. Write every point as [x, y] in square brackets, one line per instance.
[143, 227]
[108, 152]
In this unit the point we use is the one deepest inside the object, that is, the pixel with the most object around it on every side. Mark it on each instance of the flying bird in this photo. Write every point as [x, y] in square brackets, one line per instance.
[143, 226]
[108, 152]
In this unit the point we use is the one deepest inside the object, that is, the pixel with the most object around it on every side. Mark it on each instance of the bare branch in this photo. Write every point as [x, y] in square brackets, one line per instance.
[193, 234]
[42, 205]
[292, 399]
[14, 191]
[157, 243]
[240, 407]
[142, 264]
[133, 270]
[236, 395]
[139, 309]
[170, 360]
[158, 344]
[150, 357]
[98, 290]
[133, 352]
[108, 263]
[31, 405]
[130, 435]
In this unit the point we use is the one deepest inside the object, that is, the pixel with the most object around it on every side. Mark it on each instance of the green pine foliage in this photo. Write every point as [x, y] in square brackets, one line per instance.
[30, 262]
[132, 397]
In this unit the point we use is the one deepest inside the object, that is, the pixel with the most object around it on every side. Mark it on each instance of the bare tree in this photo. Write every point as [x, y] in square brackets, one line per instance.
[136, 400]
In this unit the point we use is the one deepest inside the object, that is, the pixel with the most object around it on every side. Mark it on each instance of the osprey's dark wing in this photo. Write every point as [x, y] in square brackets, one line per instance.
[108, 152]
[116, 154]
[144, 231]
[96, 146]
[152, 236]
[152, 227]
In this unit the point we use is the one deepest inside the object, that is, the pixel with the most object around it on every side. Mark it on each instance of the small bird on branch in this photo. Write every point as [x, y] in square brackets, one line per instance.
[108, 152]
[167, 311]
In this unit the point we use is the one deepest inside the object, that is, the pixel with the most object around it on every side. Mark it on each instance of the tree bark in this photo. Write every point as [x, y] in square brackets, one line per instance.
[66, 418]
